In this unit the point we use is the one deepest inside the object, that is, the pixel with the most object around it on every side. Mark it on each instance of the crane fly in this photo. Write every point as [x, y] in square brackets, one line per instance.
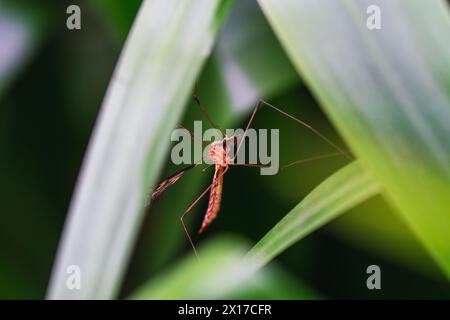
[218, 155]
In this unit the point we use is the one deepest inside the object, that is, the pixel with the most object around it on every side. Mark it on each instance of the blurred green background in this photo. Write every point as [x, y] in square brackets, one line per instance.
[52, 82]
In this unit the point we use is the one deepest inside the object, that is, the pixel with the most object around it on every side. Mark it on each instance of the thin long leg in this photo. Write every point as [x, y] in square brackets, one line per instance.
[204, 111]
[249, 165]
[206, 168]
[319, 157]
[258, 105]
[307, 126]
[190, 208]
[322, 156]
[315, 131]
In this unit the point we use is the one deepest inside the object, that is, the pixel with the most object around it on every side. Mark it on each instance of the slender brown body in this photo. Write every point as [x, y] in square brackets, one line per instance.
[215, 198]
[218, 154]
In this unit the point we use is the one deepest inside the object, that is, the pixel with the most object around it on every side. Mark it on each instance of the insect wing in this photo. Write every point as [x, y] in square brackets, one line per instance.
[163, 185]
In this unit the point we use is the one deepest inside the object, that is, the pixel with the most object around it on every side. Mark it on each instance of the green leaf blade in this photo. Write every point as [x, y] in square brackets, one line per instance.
[391, 105]
[221, 273]
[340, 192]
[218, 271]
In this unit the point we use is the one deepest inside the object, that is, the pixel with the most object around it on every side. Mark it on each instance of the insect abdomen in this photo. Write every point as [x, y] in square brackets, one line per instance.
[215, 198]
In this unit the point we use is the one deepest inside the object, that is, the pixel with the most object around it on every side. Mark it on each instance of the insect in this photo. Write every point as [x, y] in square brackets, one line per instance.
[219, 156]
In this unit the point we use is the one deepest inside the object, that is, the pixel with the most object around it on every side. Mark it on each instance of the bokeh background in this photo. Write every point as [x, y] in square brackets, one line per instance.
[52, 81]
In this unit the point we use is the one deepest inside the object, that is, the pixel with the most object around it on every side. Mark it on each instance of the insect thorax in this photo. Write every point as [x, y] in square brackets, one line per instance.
[218, 153]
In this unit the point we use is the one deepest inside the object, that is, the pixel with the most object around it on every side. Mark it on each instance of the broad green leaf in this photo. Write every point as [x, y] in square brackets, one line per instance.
[343, 190]
[155, 74]
[220, 273]
[388, 93]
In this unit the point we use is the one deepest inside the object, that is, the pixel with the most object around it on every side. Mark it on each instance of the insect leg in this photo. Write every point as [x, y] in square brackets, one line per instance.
[258, 105]
[322, 156]
[301, 122]
[190, 208]
[204, 111]
[206, 168]
[249, 165]
[186, 212]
